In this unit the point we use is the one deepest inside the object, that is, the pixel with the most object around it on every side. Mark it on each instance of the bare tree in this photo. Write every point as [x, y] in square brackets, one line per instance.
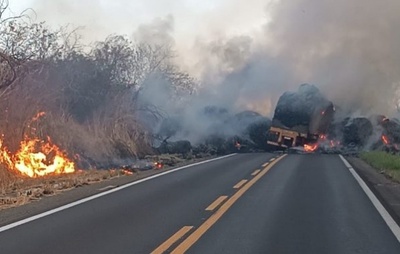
[4, 7]
[7, 64]
[26, 41]
[129, 63]
[7, 70]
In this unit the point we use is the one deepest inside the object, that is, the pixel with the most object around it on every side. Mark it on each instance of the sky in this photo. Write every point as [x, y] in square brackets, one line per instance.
[191, 20]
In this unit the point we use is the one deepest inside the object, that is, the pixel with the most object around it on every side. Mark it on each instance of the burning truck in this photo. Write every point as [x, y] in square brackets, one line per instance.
[301, 118]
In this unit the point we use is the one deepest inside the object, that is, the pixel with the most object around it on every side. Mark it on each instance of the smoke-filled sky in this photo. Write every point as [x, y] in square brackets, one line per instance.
[247, 52]
[184, 20]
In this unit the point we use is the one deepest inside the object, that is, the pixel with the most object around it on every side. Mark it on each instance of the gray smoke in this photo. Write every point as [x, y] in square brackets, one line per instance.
[348, 49]
[158, 32]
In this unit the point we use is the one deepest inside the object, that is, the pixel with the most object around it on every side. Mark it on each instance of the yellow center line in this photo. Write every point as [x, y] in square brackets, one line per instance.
[216, 203]
[240, 184]
[256, 172]
[168, 243]
[265, 164]
[195, 236]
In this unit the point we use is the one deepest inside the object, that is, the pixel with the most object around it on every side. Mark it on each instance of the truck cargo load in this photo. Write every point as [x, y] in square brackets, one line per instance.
[300, 118]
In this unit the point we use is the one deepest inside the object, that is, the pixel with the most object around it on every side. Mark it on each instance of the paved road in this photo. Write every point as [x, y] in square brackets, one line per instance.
[295, 204]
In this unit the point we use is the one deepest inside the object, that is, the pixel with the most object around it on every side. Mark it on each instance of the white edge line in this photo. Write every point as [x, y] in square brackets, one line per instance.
[378, 205]
[81, 201]
[107, 187]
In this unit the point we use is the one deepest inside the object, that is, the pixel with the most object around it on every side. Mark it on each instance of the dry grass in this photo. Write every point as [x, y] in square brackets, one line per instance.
[18, 191]
[167, 159]
[6, 179]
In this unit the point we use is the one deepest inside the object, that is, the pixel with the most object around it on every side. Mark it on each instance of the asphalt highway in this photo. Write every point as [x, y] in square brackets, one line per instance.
[245, 203]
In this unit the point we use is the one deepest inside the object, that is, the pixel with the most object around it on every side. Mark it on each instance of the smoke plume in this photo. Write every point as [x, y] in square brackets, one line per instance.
[348, 49]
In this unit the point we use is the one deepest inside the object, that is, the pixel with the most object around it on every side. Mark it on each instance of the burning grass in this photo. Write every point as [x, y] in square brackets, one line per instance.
[36, 158]
[386, 163]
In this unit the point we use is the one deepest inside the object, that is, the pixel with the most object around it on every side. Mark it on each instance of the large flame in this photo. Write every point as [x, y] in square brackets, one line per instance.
[36, 157]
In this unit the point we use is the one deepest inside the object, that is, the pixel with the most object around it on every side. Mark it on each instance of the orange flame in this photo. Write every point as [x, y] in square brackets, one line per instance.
[36, 158]
[159, 165]
[38, 115]
[310, 147]
[127, 172]
[385, 140]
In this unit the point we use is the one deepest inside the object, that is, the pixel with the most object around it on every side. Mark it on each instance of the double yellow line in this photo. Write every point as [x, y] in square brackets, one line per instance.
[202, 229]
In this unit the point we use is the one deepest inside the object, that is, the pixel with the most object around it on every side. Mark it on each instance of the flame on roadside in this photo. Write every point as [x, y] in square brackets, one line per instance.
[35, 157]
[310, 147]
[127, 172]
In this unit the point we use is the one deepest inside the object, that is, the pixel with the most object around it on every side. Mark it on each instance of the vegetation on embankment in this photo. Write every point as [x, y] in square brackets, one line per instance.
[386, 163]
[95, 102]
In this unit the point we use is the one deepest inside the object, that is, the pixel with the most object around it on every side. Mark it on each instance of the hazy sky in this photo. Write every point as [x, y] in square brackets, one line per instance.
[192, 20]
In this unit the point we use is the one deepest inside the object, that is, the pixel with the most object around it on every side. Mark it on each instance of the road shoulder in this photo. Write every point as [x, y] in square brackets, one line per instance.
[386, 190]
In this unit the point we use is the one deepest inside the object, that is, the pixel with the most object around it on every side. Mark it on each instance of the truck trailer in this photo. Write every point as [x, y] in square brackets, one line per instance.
[300, 118]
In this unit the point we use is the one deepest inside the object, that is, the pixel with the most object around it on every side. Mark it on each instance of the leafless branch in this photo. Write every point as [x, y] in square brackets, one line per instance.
[9, 67]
